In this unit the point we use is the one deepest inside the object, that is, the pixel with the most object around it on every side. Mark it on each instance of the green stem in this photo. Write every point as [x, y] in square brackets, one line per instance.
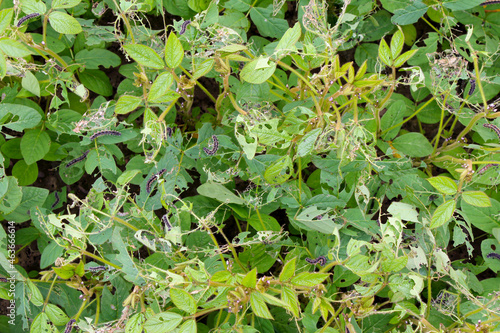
[104, 261]
[282, 64]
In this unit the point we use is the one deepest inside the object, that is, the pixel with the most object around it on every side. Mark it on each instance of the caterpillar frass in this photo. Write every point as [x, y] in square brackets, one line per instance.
[211, 152]
[154, 177]
[102, 133]
[493, 255]
[493, 127]
[26, 18]
[166, 222]
[319, 260]
[472, 86]
[97, 268]
[69, 326]
[184, 26]
[486, 167]
[78, 159]
[56, 195]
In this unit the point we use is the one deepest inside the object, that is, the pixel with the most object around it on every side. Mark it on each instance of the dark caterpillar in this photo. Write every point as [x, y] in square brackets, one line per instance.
[166, 222]
[59, 68]
[184, 26]
[2, 279]
[69, 326]
[212, 151]
[493, 255]
[97, 268]
[472, 86]
[101, 133]
[26, 18]
[154, 177]
[319, 260]
[78, 159]
[489, 3]
[486, 167]
[56, 195]
[493, 127]
[168, 132]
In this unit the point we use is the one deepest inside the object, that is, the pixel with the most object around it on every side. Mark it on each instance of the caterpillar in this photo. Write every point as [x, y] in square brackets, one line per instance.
[69, 326]
[97, 268]
[472, 86]
[320, 260]
[168, 132]
[101, 133]
[154, 177]
[2, 279]
[486, 167]
[78, 159]
[211, 152]
[59, 68]
[56, 195]
[165, 221]
[493, 255]
[26, 18]
[184, 26]
[493, 127]
[489, 3]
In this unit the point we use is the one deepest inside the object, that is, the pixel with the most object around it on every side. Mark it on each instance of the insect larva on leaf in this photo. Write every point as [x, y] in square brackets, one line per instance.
[154, 177]
[472, 86]
[184, 26]
[320, 260]
[166, 222]
[493, 127]
[486, 167]
[26, 18]
[102, 133]
[69, 326]
[56, 195]
[493, 255]
[78, 159]
[212, 151]
[97, 268]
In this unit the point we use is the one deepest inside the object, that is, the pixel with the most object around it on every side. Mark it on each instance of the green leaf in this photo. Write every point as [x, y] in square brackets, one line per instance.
[393, 116]
[13, 48]
[56, 315]
[476, 198]
[25, 174]
[41, 324]
[97, 81]
[19, 117]
[461, 4]
[397, 42]
[288, 41]
[3, 66]
[488, 247]
[306, 144]
[250, 280]
[279, 171]
[135, 323]
[203, 68]
[404, 58]
[183, 300]
[49, 254]
[127, 176]
[11, 197]
[264, 222]
[35, 296]
[127, 104]
[30, 83]
[160, 86]
[267, 24]
[306, 279]
[413, 144]
[65, 272]
[34, 145]
[443, 214]
[444, 185]
[174, 52]
[384, 53]
[254, 72]
[144, 55]
[410, 14]
[58, 4]
[289, 297]
[163, 322]
[64, 23]
[189, 326]
[94, 58]
[288, 270]
[5, 18]
[220, 193]
[259, 306]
